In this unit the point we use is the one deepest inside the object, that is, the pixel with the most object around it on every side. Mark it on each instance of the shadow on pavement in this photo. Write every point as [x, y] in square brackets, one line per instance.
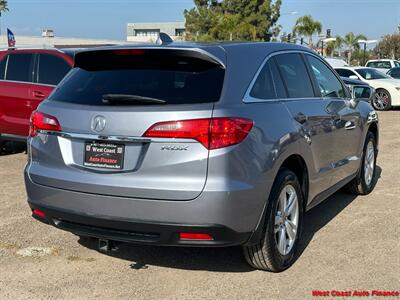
[8, 148]
[222, 259]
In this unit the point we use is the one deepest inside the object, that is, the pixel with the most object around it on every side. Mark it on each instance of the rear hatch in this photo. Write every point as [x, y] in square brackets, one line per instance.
[104, 107]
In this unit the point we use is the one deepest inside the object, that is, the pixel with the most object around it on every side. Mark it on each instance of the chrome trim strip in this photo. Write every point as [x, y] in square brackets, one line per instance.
[115, 138]
[82, 136]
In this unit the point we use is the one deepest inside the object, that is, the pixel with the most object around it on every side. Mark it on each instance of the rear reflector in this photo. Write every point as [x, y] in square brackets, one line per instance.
[42, 121]
[195, 236]
[39, 213]
[213, 133]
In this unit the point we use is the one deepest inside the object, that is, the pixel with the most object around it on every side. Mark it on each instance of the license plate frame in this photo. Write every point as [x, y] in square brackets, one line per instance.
[104, 155]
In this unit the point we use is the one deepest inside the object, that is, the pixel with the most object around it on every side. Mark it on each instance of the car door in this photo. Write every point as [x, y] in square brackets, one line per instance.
[49, 71]
[310, 116]
[15, 94]
[347, 119]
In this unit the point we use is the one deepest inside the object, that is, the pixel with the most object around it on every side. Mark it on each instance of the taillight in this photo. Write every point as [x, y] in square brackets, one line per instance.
[42, 121]
[213, 133]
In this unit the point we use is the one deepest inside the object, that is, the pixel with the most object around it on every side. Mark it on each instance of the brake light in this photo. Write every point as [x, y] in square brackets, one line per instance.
[213, 133]
[195, 236]
[129, 52]
[42, 121]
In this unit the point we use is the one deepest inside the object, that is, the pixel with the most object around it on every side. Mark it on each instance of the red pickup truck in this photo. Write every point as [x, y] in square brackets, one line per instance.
[27, 77]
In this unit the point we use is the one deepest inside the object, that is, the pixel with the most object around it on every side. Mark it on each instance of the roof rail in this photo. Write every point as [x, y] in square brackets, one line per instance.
[164, 39]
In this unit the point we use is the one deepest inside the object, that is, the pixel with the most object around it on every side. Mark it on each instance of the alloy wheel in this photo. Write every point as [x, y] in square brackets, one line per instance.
[369, 163]
[381, 100]
[286, 219]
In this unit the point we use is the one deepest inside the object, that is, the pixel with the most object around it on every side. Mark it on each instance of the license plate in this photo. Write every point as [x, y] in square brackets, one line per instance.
[104, 155]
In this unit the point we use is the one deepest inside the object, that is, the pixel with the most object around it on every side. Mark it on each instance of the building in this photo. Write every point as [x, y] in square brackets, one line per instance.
[58, 42]
[148, 32]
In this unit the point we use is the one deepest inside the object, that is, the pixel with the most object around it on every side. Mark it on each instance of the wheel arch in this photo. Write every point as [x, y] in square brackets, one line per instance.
[297, 164]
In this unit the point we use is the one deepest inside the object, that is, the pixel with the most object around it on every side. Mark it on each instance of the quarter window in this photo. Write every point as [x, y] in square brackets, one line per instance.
[295, 75]
[52, 69]
[328, 83]
[19, 67]
[263, 87]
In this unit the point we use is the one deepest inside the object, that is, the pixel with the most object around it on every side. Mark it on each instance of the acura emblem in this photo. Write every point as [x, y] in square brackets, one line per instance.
[98, 123]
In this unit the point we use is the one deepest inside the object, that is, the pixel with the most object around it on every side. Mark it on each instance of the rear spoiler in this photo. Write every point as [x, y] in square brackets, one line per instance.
[112, 58]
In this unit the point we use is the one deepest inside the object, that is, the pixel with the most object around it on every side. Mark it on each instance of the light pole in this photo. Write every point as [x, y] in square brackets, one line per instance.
[365, 42]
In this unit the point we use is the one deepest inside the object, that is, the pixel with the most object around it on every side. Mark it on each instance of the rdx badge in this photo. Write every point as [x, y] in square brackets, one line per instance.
[174, 148]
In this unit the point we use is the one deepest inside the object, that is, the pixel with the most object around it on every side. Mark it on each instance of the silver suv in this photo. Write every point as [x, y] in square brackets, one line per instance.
[198, 145]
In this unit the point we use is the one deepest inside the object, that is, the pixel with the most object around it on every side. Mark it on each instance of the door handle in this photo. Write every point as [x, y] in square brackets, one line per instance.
[350, 125]
[301, 118]
[38, 94]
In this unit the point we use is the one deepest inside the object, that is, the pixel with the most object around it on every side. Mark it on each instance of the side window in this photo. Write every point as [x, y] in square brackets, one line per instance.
[345, 73]
[277, 78]
[3, 63]
[19, 67]
[263, 87]
[329, 85]
[52, 69]
[371, 64]
[295, 75]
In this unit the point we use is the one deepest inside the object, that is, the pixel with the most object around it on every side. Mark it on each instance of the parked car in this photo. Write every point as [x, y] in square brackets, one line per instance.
[27, 76]
[383, 65]
[190, 145]
[394, 72]
[336, 62]
[387, 88]
[364, 90]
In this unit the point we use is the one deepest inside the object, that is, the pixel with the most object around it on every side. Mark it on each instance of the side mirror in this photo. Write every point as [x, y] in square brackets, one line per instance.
[360, 93]
[354, 77]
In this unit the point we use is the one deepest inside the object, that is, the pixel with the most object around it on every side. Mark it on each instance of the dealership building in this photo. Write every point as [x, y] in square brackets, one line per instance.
[148, 32]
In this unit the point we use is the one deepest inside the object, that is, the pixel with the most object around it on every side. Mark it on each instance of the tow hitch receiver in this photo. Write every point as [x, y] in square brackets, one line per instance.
[108, 246]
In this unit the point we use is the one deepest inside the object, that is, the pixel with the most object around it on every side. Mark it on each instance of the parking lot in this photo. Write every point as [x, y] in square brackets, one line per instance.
[350, 243]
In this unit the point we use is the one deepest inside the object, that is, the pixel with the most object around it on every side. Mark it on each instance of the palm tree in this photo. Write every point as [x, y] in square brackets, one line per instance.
[351, 41]
[307, 26]
[339, 44]
[3, 8]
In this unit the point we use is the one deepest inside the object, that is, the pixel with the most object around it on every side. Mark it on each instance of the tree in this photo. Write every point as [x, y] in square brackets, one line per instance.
[307, 26]
[253, 20]
[3, 8]
[351, 41]
[389, 46]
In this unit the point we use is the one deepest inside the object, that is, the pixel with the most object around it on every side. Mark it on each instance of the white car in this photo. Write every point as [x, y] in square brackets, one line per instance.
[387, 88]
[383, 65]
[336, 62]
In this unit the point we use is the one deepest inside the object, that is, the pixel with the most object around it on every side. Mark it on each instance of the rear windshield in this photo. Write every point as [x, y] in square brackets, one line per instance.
[174, 79]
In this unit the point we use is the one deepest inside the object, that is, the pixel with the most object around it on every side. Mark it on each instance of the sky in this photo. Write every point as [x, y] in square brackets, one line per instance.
[108, 19]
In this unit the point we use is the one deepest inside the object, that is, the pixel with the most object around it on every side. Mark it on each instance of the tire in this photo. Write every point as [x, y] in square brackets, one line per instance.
[266, 254]
[364, 182]
[382, 100]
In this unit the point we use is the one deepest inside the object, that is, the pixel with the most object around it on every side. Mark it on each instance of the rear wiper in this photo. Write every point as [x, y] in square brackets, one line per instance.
[121, 98]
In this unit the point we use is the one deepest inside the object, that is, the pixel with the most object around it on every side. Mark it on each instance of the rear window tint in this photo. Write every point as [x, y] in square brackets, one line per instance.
[174, 79]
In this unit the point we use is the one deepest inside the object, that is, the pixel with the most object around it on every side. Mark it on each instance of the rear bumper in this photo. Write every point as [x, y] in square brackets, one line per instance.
[230, 217]
[137, 232]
